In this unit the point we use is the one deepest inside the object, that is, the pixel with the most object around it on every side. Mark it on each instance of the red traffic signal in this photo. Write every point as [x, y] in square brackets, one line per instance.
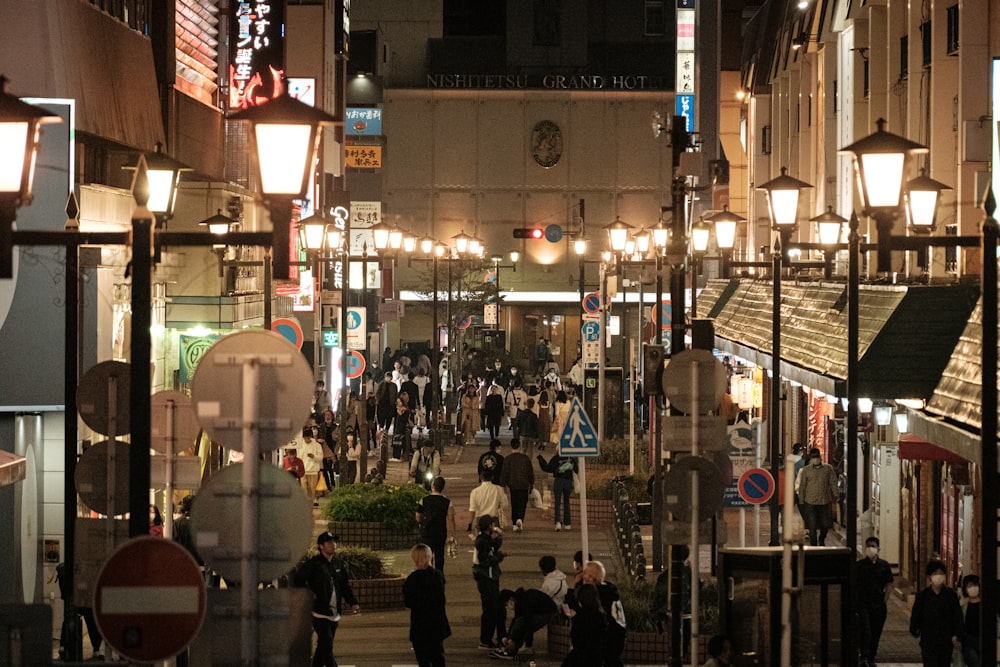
[529, 233]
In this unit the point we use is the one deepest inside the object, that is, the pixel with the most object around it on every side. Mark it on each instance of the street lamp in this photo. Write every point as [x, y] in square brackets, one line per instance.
[312, 238]
[829, 227]
[725, 223]
[461, 242]
[20, 130]
[783, 205]
[380, 235]
[879, 161]
[618, 232]
[217, 225]
[286, 136]
[920, 199]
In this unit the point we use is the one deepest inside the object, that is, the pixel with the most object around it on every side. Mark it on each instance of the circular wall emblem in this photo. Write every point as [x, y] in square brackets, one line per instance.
[546, 143]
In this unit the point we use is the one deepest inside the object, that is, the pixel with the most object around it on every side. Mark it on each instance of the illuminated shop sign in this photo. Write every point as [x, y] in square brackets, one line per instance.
[363, 121]
[256, 52]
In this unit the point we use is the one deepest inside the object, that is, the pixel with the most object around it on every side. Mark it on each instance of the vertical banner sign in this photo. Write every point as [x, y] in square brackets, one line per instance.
[256, 52]
[686, 64]
[342, 28]
[339, 211]
[364, 215]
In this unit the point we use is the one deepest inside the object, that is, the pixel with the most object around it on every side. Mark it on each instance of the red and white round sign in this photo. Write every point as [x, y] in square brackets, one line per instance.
[150, 599]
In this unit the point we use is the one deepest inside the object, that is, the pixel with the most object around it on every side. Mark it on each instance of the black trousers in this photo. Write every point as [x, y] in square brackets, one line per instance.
[326, 630]
[429, 653]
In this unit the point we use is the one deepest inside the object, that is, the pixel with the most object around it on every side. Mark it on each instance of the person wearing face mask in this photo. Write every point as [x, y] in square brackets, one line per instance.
[936, 619]
[817, 489]
[874, 584]
[971, 611]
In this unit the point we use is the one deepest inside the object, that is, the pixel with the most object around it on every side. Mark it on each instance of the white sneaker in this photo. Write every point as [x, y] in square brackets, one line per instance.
[558, 526]
[520, 526]
[568, 527]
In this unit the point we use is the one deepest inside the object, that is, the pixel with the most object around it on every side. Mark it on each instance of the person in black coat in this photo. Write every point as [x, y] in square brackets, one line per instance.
[494, 411]
[325, 575]
[588, 631]
[423, 594]
[936, 619]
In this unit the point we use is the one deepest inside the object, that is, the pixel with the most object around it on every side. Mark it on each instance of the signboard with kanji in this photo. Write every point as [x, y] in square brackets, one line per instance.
[363, 157]
[256, 53]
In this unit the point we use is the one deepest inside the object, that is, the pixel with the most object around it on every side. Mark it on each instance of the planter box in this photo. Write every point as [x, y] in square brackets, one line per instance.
[379, 594]
[373, 535]
[599, 512]
[641, 648]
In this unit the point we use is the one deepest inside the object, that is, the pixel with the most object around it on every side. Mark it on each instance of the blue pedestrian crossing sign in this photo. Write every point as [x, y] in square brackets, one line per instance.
[578, 437]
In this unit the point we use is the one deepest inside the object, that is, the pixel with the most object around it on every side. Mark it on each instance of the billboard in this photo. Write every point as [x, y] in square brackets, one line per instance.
[256, 52]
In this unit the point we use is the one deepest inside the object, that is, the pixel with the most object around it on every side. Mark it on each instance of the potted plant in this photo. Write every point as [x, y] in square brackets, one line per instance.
[377, 516]
[374, 587]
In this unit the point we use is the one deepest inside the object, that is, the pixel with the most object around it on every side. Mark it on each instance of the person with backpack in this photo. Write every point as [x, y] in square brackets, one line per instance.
[426, 464]
[562, 468]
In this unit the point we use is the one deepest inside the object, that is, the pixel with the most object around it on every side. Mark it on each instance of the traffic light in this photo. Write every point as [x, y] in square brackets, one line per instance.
[529, 233]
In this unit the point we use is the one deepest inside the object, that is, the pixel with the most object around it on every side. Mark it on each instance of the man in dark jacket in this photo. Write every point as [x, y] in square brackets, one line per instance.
[324, 574]
[518, 475]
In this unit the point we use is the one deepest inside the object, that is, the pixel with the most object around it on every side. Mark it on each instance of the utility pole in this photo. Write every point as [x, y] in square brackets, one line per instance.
[679, 141]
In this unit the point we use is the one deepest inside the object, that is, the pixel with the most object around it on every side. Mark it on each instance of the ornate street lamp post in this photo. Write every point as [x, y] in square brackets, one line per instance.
[286, 137]
[879, 162]
[20, 130]
[783, 205]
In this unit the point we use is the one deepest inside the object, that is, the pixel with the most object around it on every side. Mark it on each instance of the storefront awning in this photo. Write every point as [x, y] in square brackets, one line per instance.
[12, 468]
[906, 332]
[74, 51]
[914, 448]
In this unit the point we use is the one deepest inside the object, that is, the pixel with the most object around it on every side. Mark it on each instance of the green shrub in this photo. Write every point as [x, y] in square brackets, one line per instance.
[389, 504]
[361, 562]
[636, 595]
[615, 452]
[600, 485]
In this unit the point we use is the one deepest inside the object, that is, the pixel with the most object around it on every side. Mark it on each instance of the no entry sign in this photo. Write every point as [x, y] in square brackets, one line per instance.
[756, 486]
[149, 601]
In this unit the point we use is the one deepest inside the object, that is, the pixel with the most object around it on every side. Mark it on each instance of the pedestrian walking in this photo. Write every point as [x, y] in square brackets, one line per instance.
[423, 594]
[562, 469]
[436, 520]
[560, 413]
[972, 614]
[518, 476]
[817, 489]
[486, 559]
[874, 584]
[470, 413]
[936, 619]
[425, 464]
[325, 575]
[494, 411]
[311, 452]
[487, 499]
